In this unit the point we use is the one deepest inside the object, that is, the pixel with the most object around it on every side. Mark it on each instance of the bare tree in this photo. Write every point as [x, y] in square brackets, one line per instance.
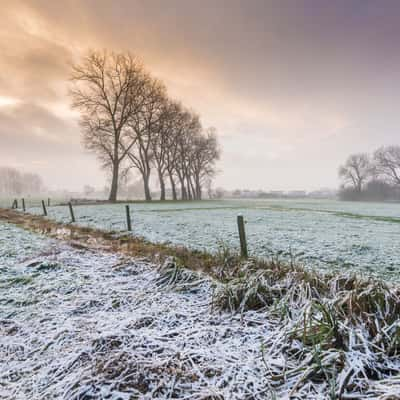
[176, 116]
[10, 181]
[190, 127]
[357, 170]
[128, 121]
[387, 163]
[162, 142]
[204, 155]
[143, 127]
[108, 88]
[14, 182]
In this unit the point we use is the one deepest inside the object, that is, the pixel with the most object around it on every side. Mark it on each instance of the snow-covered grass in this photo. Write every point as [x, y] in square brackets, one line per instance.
[329, 235]
[339, 333]
[76, 324]
[81, 324]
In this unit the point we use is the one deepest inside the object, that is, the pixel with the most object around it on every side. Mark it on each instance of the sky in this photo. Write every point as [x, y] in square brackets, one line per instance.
[292, 86]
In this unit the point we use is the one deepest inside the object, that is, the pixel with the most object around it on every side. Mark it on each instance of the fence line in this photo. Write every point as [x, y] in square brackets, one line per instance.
[240, 221]
[71, 211]
[128, 218]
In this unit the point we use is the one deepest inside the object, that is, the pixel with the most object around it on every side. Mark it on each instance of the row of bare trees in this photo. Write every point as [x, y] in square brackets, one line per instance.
[129, 121]
[14, 182]
[379, 172]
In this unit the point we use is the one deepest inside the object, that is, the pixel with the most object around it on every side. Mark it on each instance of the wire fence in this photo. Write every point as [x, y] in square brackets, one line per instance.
[30, 202]
[323, 239]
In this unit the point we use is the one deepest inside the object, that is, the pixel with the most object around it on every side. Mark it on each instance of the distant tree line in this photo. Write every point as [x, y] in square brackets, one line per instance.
[14, 182]
[371, 177]
[129, 121]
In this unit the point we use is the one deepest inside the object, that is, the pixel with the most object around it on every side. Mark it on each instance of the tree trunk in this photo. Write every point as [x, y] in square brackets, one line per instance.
[198, 189]
[183, 190]
[173, 186]
[114, 183]
[162, 185]
[181, 178]
[191, 191]
[146, 180]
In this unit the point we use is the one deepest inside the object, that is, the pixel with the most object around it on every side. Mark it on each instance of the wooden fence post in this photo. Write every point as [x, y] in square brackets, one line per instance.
[71, 211]
[44, 208]
[48, 202]
[23, 204]
[242, 236]
[128, 218]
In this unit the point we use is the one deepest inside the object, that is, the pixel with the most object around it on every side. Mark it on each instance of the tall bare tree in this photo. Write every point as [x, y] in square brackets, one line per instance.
[162, 142]
[108, 89]
[128, 121]
[204, 155]
[387, 162]
[176, 116]
[189, 128]
[143, 127]
[357, 170]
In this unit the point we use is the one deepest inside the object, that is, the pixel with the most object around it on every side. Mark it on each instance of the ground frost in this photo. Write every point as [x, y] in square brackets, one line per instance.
[322, 234]
[77, 324]
[99, 326]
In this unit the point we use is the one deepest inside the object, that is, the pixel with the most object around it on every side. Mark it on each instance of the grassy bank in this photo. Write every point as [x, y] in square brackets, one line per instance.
[338, 335]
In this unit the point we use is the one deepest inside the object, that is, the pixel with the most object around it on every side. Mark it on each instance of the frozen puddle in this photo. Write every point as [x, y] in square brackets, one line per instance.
[82, 325]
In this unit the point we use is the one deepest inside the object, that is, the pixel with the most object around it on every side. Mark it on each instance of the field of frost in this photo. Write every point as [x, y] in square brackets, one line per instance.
[327, 235]
[82, 324]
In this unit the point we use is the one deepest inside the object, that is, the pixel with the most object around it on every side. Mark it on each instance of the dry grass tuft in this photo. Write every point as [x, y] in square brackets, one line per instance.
[173, 275]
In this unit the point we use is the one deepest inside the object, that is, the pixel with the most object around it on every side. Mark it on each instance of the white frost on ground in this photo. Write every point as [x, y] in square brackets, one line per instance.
[329, 235]
[66, 313]
[76, 324]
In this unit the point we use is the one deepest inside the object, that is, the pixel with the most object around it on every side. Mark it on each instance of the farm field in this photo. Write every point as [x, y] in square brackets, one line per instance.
[84, 324]
[274, 274]
[65, 314]
[321, 234]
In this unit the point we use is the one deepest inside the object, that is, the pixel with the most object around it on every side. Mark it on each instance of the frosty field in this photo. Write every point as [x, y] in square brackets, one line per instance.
[79, 325]
[85, 324]
[327, 235]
